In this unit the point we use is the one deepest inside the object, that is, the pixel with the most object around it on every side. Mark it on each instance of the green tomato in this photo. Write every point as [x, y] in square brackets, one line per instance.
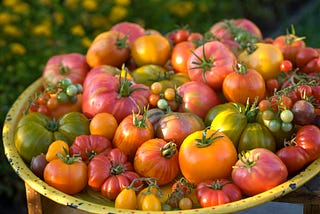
[256, 135]
[35, 132]
[286, 116]
[274, 125]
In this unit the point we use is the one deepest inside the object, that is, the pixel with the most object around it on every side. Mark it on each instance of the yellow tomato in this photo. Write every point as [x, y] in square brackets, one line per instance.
[58, 146]
[151, 49]
[266, 59]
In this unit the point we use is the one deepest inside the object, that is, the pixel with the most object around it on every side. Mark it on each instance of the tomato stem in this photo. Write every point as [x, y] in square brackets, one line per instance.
[207, 141]
[247, 160]
[169, 149]
[67, 158]
[138, 120]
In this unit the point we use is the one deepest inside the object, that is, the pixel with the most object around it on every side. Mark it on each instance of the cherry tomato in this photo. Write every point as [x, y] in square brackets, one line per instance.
[286, 66]
[127, 199]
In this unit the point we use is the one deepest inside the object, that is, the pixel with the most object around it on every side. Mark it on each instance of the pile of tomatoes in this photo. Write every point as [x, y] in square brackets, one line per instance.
[215, 117]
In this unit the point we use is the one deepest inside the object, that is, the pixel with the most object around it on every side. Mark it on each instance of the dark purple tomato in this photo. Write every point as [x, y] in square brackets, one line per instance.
[304, 112]
[37, 165]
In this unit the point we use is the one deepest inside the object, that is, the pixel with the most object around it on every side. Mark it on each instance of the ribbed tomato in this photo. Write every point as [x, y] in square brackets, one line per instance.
[159, 159]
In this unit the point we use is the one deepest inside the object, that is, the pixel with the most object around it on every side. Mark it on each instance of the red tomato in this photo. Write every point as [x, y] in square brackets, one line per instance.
[88, 146]
[73, 66]
[286, 66]
[103, 92]
[308, 137]
[159, 159]
[218, 191]
[308, 60]
[132, 30]
[110, 173]
[133, 130]
[289, 45]
[68, 175]
[244, 84]
[272, 85]
[178, 35]
[228, 31]
[210, 63]
[108, 48]
[197, 97]
[200, 156]
[294, 157]
[259, 170]
[180, 55]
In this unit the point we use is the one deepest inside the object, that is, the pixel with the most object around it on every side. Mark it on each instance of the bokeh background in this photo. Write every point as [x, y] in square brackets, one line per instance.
[31, 31]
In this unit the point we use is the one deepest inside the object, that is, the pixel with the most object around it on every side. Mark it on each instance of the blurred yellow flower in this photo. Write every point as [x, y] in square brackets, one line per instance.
[17, 48]
[72, 4]
[12, 30]
[90, 5]
[58, 17]
[10, 3]
[122, 2]
[98, 21]
[77, 30]
[21, 8]
[203, 7]
[42, 30]
[5, 18]
[117, 13]
[86, 42]
[181, 9]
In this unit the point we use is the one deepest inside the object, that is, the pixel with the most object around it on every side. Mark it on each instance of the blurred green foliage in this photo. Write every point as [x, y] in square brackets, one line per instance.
[31, 31]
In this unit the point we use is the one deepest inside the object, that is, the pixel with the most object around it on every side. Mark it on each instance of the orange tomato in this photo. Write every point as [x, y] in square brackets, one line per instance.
[151, 49]
[68, 175]
[103, 124]
[108, 48]
[58, 146]
[200, 161]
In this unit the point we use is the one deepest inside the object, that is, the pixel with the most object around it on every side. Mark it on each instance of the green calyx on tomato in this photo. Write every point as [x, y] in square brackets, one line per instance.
[205, 140]
[125, 88]
[169, 149]
[139, 120]
[241, 35]
[67, 159]
[248, 160]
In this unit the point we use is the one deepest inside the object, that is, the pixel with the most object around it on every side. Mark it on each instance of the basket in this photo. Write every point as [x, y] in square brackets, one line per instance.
[93, 202]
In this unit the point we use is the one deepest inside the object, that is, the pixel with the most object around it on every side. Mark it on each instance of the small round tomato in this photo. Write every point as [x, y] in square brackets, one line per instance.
[200, 156]
[67, 174]
[264, 58]
[286, 66]
[151, 49]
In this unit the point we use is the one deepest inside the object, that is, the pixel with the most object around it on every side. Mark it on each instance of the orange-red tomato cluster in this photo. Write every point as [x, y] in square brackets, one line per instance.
[154, 101]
